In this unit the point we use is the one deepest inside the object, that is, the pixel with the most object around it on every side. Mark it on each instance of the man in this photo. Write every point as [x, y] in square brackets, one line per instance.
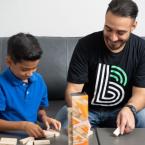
[23, 92]
[110, 67]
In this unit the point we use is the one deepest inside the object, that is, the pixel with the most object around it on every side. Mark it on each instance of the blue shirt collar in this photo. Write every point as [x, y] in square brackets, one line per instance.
[15, 80]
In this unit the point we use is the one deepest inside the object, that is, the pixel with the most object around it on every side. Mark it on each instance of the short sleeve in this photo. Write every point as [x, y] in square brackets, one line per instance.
[139, 80]
[44, 100]
[78, 68]
[2, 100]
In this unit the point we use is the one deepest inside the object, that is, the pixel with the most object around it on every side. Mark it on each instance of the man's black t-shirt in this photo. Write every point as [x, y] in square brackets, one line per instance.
[108, 77]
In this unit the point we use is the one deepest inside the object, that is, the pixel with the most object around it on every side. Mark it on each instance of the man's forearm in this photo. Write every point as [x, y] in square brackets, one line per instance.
[137, 102]
[138, 98]
[72, 88]
[68, 99]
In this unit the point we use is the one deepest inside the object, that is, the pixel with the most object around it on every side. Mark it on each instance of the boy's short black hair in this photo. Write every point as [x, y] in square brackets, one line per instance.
[124, 8]
[23, 47]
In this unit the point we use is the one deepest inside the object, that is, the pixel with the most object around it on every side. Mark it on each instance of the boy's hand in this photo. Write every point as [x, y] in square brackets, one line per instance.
[50, 121]
[33, 129]
[55, 123]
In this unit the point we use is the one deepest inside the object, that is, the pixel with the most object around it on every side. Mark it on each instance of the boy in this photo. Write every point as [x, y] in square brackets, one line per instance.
[23, 92]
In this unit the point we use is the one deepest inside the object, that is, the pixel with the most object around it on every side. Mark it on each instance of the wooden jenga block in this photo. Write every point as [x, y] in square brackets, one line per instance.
[41, 142]
[90, 133]
[30, 142]
[116, 131]
[25, 140]
[56, 133]
[8, 141]
[51, 133]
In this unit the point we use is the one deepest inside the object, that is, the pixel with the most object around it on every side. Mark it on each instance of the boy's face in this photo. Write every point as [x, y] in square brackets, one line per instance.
[24, 69]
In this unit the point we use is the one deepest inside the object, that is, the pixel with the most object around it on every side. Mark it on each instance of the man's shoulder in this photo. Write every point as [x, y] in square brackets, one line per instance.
[137, 45]
[137, 39]
[93, 37]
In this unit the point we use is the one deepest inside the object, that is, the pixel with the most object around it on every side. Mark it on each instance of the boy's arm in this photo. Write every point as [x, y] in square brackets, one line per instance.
[42, 115]
[11, 125]
[30, 128]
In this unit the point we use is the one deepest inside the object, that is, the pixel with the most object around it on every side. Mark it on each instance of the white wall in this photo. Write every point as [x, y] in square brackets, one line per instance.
[57, 17]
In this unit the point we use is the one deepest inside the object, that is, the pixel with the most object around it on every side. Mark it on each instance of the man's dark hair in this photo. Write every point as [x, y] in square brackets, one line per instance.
[23, 47]
[124, 8]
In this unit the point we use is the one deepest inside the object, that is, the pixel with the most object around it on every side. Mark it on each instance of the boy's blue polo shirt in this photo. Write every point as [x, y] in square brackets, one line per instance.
[21, 101]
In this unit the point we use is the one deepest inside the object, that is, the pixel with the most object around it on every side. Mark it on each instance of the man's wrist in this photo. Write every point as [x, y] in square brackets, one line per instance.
[132, 108]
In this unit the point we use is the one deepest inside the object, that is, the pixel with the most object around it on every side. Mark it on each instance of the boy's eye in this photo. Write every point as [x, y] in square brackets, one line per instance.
[24, 70]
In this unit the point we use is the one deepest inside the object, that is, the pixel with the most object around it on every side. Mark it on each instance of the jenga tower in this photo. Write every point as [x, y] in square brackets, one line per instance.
[78, 120]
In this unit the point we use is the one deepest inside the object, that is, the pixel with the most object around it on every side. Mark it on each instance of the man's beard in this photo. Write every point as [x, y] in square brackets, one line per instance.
[115, 45]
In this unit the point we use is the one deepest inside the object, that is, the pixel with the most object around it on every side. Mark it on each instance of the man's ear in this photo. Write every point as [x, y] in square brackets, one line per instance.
[134, 25]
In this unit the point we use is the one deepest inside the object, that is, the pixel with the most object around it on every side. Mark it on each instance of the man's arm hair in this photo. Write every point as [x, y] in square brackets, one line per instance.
[138, 98]
[72, 88]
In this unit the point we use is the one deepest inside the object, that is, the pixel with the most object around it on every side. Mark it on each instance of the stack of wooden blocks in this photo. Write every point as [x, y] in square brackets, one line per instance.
[78, 126]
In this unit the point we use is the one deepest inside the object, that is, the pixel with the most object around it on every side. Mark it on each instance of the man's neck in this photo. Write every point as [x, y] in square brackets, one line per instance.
[117, 50]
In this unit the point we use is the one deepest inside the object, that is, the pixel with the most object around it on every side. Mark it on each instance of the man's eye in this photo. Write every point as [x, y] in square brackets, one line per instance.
[108, 30]
[121, 33]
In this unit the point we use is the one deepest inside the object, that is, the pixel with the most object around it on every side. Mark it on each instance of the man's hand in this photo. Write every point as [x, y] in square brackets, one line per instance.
[33, 129]
[125, 120]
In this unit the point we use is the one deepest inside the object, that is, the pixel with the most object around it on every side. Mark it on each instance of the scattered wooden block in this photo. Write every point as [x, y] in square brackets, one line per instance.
[56, 133]
[41, 142]
[8, 141]
[116, 131]
[51, 133]
[30, 142]
[25, 140]
[48, 134]
[90, 133]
